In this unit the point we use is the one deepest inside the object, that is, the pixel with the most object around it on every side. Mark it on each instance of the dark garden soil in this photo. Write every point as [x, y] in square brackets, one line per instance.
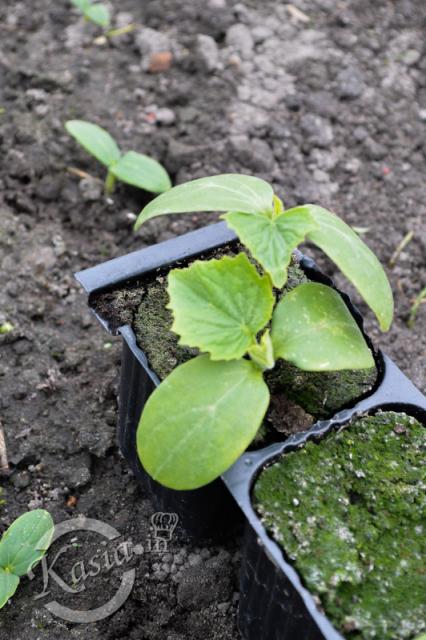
[329, 102]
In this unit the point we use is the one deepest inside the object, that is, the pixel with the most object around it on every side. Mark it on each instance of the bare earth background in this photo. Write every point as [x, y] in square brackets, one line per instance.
[329, 102]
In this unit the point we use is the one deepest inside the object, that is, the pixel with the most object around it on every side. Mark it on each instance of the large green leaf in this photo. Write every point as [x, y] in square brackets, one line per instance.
[98, 13]
[355, 260]
[142, 171]
[200, 420]
[313, 329]
[220, 305]
[8, 585]
[26, 541]
[226, 192]
[272, 240]
[95, 140]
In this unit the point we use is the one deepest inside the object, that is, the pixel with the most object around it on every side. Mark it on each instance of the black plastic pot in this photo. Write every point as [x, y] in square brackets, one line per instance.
[274, 604]
[210, 511]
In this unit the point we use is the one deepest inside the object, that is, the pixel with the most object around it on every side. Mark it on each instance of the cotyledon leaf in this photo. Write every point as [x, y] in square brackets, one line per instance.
[200, 420]
[356, 261]
[8, 585]
[225, 192]
[142, 171]
[272, 240]
[98, 13]
[95, 140]
[26, 541]
[219, 306]
[313, 329]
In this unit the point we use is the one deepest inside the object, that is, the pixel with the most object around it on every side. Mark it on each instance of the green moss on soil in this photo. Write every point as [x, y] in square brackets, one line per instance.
[350, 513]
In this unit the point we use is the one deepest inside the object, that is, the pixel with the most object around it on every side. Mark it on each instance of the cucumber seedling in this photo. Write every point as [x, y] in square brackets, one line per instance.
[21, 548]
[132, 168]
[96, 12]
[202, 417]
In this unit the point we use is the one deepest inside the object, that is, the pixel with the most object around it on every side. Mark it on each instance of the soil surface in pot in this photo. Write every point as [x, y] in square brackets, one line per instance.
[298, 398]
[331, 109]
[350, 513]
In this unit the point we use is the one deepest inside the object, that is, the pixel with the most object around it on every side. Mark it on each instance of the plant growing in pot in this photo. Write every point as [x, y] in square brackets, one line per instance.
[204, 415]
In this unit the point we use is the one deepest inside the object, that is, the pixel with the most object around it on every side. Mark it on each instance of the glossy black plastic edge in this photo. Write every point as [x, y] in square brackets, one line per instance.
[113, 272]
[397, 393]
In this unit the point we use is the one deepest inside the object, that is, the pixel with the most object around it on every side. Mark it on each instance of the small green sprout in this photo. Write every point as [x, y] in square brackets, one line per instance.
[97, 13]
[132, 168]
[21, 548]
[203, 416]
[6, 327]
[420, 299]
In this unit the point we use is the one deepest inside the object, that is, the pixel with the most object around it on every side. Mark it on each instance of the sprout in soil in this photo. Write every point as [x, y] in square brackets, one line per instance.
[133, 168]
[97, 13]
[203, 416]
[21, 547]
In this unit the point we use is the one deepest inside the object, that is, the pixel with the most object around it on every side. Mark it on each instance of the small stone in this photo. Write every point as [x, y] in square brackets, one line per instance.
[374, 150]
[239, 38]
[160, 62]
[261, 33]
[399, 429]
[165, 116]
[90, 189]
[410, 57]
[41, 110]
[318, 130]
[207, 53]
[223, 607]
[350, 84]
[150, 42]
[21, 480]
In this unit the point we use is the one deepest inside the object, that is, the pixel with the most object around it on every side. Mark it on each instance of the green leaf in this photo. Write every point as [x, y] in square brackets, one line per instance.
[313, 329]
[98, 13]
[272, 240]
[355, 260]
[200, 420]
[226, 192]
[220, 305]
[8, 585]
[81, 4]
[26, 541]
[262, 353]
[142, 171]
[95, 140]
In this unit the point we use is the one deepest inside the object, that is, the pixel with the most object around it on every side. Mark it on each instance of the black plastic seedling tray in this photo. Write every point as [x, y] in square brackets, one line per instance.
[209, 512]
[274, 604]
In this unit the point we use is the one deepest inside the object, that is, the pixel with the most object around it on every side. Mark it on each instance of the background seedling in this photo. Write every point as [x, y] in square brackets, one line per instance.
[420, 299]
[21, 548]
[132, 168]
[208, 410]
[97, 12]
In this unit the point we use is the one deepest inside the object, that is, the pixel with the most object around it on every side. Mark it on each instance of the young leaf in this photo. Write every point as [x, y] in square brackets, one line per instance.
[200, 420]
[313, 329]
[98, 13]
[26, 541]
[356, 261]
[8, 585]
[141, 171]
[81, 4]
[272, 240]
[226, 192]
[95, 140]
[220, 305]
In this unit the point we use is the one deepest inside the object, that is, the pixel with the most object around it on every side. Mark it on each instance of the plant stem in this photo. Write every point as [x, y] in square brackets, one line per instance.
[109, 183]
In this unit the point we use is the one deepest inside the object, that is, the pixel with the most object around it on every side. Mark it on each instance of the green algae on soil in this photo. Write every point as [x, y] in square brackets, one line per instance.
[350, 513]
